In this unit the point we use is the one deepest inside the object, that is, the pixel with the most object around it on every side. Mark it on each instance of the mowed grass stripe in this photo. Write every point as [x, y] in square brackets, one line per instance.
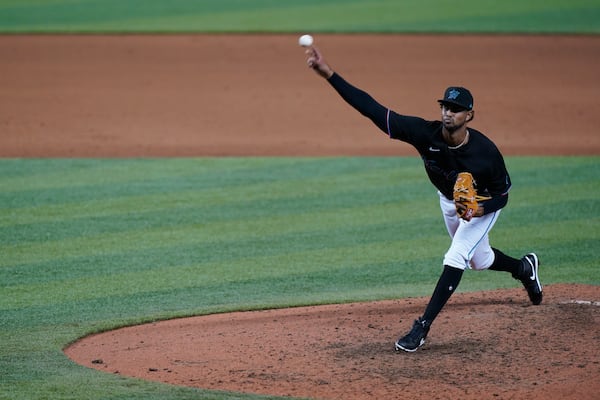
[225, 251]
[268, 196]
[279, 264]
[286, 16]
[185, 230]
[79, 317]
[243, 222]
[206, 232]
[144, 231]
[45, 174]
[51, 173]
[200, 275]
[203, 214]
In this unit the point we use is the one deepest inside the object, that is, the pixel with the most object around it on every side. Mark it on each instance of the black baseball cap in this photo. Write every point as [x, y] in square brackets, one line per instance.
[459, 96]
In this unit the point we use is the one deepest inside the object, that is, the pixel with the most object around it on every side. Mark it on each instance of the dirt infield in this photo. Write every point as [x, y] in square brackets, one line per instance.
[129, 96]
[203, 95]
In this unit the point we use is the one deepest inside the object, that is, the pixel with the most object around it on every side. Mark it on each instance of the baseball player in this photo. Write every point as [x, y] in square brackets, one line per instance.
[448, 147]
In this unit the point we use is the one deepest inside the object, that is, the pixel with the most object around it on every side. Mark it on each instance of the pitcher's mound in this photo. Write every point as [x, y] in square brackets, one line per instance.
[483, 345]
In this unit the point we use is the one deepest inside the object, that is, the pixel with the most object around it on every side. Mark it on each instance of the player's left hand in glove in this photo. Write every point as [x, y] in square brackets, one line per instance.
[466, 198]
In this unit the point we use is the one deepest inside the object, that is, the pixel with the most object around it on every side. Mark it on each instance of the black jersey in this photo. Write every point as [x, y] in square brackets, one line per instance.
[479, 155]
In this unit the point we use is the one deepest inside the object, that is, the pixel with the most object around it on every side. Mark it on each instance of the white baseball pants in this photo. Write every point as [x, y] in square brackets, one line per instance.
[470, 246]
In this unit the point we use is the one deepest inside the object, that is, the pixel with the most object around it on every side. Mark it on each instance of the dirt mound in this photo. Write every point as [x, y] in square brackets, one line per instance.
[483, 345]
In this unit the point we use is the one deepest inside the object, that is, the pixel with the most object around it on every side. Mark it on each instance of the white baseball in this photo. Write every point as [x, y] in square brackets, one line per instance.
[305, 40]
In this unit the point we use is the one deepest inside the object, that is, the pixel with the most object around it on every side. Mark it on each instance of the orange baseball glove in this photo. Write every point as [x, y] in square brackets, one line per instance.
[465, 196]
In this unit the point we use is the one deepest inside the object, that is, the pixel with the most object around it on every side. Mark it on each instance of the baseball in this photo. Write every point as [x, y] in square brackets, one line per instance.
[305, 40]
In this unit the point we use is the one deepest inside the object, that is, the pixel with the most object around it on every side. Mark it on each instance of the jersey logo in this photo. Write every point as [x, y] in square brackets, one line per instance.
[433, 149]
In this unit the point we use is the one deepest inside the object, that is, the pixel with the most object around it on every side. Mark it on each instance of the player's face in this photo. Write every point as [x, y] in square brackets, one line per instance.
[453, 117]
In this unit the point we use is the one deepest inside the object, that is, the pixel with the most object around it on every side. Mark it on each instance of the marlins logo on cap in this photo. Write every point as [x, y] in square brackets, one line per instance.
[453, 94]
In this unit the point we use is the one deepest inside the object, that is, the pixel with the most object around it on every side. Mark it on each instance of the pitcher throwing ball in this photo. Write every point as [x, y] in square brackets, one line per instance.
[470, 204]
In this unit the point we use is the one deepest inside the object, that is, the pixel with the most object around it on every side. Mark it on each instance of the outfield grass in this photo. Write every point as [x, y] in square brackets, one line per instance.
[89, 244]
[491, 16]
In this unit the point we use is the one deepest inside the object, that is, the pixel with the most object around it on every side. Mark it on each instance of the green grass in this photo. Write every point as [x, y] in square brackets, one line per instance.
[532, 16]
[88, 245]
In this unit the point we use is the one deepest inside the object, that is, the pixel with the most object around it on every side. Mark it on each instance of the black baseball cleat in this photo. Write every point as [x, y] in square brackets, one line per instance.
[530, 278]
[415, 338]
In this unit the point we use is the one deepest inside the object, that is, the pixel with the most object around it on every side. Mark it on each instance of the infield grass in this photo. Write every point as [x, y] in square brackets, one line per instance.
[88, 245]
[377, 16]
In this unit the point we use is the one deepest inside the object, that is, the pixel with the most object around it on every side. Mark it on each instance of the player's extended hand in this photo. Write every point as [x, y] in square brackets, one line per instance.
[316, 62]
[462, 209]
